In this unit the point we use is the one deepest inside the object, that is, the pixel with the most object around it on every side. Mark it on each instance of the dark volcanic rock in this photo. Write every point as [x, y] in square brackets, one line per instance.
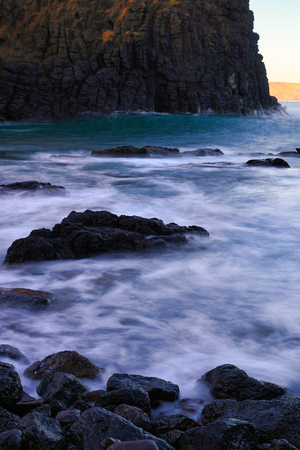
[32, 187]
[273, 419]
[65, 361]
[158, 389]
[8, 351]
[40, 431]
[228, 381]
[269, 162]
[81, 235]
[133, 396]
[204, 152]
[64, 58]
[135, 415]
[25, 298]
[8, 420]
[169, 423]
[146, 444]
[11, 439]
[60, 386]
[96, 424]
[129, 150]
[225, 434]
[10, 386]
[296, 153]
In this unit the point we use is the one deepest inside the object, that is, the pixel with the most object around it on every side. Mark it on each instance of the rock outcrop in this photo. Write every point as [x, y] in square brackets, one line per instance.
[60, 59]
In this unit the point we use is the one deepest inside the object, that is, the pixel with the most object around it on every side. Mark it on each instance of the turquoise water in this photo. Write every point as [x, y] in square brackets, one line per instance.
[232, 298]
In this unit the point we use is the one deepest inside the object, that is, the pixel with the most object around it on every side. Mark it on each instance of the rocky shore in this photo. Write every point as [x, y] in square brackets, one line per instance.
[243, 413]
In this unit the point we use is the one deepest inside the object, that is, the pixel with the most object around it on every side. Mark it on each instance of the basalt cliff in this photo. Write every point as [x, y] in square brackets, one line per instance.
[61, 58]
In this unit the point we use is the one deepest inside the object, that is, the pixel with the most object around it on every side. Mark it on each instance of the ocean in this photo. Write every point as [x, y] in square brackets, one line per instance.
[175, 314]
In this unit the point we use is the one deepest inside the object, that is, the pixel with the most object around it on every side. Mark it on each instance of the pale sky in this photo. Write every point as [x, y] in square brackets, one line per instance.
[278, 24]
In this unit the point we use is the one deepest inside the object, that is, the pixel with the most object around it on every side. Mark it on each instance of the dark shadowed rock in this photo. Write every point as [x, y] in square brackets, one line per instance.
[203, 152]
[30, 187]
[169, 423]
[68, 416]
[228, 381]
[8, 420]
[8, 351]
[10, 386]
[273, 419]
[66, 361]
[40, 431]
[134, 445]
[158, 389]
[81, 235]
[96, 424]
[26, 404]
[11, 440]
[290, 153]
[129, 150]
[269, 162]
[60, 386]
[26, 298]
[133, 396]
[225, 434]
[135, 415]
[281, 444]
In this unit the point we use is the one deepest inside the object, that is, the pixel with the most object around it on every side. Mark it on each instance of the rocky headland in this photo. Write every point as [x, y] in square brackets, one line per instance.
[61, 59]
[243, 413]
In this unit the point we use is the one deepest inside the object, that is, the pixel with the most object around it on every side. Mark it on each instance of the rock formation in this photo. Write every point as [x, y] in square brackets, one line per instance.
[60, 59]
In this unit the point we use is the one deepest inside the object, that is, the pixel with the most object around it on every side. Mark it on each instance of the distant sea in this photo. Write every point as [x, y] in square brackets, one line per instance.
[231, 298]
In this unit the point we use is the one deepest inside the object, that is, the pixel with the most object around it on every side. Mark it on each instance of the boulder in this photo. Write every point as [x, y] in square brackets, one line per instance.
[269, 162]
[26, 404]
[8, 351]
[40, 431]
[81, 235]
[8, 421]
[165, 424]
[68, 416]
[129, 150]
[10, 386]
[26, 298]
[281, 444]
[228, 381]
[133, 396]
[60, 386]
[203, 152]
[157, 388]
[273, 419]
[146, 444]
[290, 153]
[32, 187]
[135, 415]
[97, 424]
[11, 439]
[66, 361]
[224, 434]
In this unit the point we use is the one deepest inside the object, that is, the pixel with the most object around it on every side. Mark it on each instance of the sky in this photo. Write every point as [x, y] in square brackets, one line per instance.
[278, 24]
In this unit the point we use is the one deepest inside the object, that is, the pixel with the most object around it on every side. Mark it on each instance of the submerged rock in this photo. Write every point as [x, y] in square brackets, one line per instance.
[81, 235]
[228, 381]
[129, 150]
[203, 152]
[269, 162]
[157, 388]
[273, 419]
[291, 153]
[65, 361]
[32, 187]
[25, 298]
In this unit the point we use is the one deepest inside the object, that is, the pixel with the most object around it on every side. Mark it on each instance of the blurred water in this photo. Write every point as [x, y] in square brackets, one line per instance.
[232, 298]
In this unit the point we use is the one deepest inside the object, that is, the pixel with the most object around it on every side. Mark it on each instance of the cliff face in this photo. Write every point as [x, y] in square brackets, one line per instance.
[63, 57]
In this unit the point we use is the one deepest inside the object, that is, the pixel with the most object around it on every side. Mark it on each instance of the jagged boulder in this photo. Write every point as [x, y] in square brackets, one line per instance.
[26, 298]
[268, 162]
[129, 150]
[81, 235]
[10, 386]
[64, 58]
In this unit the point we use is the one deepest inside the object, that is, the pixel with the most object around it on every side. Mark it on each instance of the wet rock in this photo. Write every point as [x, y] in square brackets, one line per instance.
[29, 187]
[225, 434]
[61, 386]
[204, 152]
[26, 298]
[129, 150]
[133, 396]
[291, 153]
[228, 381]
[10, 386]
[273, 419]
[96, 424]
[40, 431]
[8, 351]
[65, 361]
[81, 235]
[169, 423]
[68, 416]
[134, 445]
[11, 440]
[26, 404]
[172, 437]
[281, 444]
[158, 389]
[8, 420]
[269, 162]
[135, 415]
